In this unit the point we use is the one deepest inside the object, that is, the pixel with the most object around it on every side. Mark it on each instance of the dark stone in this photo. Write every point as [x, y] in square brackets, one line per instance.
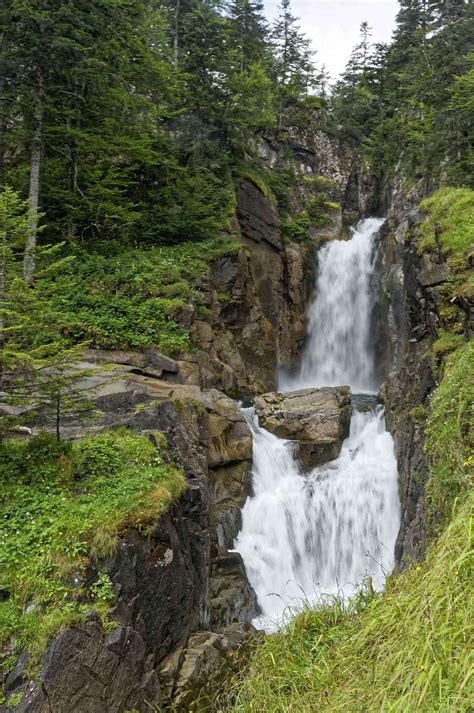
[434, 276]
[160, 361]
[15, 677]
[258, 218]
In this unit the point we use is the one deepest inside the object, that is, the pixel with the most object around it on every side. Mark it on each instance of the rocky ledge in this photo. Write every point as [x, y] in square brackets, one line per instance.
[183, 605]
[318, 419]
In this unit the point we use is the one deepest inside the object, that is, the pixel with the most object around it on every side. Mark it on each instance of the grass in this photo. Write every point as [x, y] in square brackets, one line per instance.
[63, 507]
[450, 436]
[451, 215]
[409, 649]
[133, 299]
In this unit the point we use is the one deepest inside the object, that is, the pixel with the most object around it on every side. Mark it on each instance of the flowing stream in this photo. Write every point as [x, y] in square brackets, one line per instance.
[304, 537]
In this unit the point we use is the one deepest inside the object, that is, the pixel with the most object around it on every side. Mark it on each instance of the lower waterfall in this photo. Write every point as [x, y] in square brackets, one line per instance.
[306, 536]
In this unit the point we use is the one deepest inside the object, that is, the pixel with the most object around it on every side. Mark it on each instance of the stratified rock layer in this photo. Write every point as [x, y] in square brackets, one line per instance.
[318, 419]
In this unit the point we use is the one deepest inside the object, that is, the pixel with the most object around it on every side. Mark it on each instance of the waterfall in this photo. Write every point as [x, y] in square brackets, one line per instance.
[306, 536]
[338, 349]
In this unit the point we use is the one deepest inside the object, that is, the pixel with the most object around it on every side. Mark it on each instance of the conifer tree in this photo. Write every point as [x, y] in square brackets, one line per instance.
[248, 32]
[293, 56]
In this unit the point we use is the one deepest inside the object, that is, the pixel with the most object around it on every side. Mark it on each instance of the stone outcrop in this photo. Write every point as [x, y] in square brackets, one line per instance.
[178, 580]
[250, 312]
[413, 285]
[317, 419]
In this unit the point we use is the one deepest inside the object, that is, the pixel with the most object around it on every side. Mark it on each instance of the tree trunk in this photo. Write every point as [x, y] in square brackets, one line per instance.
[35, 173]
[58, 417]
[176, 34]
[2, 111]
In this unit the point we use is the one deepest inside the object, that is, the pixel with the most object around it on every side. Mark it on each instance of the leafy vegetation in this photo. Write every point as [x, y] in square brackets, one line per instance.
[63, 507]
[132, 298]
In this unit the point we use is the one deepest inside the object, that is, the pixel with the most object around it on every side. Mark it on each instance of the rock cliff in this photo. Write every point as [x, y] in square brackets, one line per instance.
[178, 580]
[418, 310]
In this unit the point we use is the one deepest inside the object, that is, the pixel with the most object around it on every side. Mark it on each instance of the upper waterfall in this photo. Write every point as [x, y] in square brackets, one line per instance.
[338, 350]
[306, 536]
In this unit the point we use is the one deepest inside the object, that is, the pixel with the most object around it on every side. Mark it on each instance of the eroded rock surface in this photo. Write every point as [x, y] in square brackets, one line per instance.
[177, 580]
[318, 419]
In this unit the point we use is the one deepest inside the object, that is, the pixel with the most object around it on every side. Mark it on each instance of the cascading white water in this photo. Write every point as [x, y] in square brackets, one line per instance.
[338, 349]
[306, 536]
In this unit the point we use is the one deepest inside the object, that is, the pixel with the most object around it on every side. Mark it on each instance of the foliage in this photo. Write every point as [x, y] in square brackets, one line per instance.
[132, 298]
[319, 208]
[407, 105]
[63, 506]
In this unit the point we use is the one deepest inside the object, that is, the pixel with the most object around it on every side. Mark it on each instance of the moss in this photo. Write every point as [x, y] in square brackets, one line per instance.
[418, 414]
[450, 220]
[447, 342]
[252, 174]
[63, 508]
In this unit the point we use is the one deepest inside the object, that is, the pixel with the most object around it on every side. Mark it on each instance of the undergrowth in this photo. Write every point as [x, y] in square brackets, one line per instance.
[63, 507]
[133, 299]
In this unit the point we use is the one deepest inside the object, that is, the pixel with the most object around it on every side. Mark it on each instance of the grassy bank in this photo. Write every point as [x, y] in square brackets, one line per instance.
[409, 649]
[62, 509]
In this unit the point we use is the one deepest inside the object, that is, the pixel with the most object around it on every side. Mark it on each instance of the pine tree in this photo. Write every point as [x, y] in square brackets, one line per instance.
[248, 32]
[293, 55]
[38, 369]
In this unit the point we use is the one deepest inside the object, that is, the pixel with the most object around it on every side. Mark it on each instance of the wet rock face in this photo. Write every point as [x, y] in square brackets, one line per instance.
[318, 419]
[412, 283]
[85, 669]
[255, 302]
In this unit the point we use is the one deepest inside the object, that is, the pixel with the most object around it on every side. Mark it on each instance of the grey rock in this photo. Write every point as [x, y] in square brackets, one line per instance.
[318, 419]
[434, 276]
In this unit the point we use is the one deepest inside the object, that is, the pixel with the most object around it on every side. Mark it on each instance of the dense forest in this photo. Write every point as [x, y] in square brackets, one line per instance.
[126, 128]
[127, 124]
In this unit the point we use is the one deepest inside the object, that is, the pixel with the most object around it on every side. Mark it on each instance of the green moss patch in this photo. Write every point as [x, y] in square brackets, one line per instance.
[63, 507]
[450, 220]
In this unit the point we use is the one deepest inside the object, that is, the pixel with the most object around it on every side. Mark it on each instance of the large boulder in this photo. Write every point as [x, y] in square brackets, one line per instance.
[318, 419]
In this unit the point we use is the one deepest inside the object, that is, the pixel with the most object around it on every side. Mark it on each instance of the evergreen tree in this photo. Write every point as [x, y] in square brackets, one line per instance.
[37, 366]
[294, 66]
[248, 33]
